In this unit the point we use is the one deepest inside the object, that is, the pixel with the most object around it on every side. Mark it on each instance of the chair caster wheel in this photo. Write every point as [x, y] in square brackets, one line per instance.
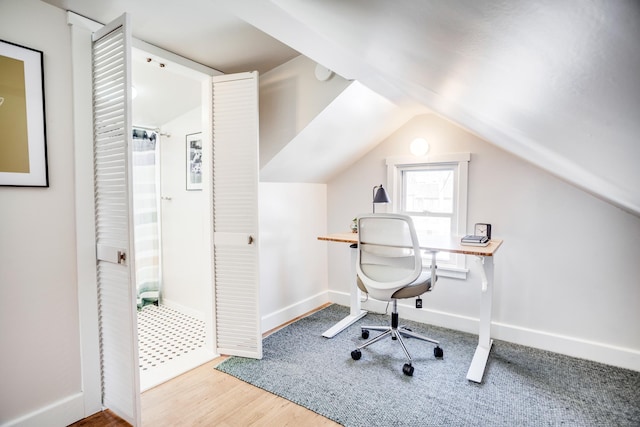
[365, 333]
[356, 354]
[438, 353]
[407, 370]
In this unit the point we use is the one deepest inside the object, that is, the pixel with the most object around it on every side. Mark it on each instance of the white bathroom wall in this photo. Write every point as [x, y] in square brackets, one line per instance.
[185, 245]
[566, 275]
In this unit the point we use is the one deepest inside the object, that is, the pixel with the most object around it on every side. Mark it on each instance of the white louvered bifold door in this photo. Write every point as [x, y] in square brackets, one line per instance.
[235, 214]
[116, 293]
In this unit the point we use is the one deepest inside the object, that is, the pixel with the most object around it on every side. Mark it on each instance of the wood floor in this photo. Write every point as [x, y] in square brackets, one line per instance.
[207, 397]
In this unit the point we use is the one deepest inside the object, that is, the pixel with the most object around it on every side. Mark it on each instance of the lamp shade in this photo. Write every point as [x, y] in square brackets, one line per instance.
[379, 196]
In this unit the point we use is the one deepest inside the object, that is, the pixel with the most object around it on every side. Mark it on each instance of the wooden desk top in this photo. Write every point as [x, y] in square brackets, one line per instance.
[451, 244]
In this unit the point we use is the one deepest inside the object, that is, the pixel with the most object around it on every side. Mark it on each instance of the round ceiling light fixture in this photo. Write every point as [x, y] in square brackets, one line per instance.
[419, 147]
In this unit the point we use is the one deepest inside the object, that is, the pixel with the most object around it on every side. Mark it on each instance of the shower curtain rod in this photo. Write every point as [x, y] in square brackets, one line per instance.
[154, 130]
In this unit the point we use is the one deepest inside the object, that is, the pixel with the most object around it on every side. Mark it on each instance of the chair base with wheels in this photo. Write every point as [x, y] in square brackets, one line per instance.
[396, 332]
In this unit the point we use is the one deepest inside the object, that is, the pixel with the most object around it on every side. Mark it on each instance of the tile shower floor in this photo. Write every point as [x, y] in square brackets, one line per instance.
[169, 343]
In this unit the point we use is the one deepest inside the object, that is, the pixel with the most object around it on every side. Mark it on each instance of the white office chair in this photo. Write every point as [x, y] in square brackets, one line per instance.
[389, 267]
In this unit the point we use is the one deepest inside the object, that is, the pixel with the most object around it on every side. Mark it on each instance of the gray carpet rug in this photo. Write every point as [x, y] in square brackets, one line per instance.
[522, 386]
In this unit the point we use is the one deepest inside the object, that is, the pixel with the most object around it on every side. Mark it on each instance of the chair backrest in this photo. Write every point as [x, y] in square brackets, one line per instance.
[388, 253]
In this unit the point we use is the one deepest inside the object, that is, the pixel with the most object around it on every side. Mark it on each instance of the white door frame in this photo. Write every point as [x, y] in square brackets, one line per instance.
[81, 31]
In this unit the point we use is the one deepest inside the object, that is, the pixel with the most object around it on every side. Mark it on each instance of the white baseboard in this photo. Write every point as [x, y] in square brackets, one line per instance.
[61, 413]
[183, 309]
[570, 346]
[562, 344]
[286, 314]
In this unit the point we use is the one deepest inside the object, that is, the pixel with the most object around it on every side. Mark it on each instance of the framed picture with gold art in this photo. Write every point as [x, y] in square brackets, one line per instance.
[23, 145]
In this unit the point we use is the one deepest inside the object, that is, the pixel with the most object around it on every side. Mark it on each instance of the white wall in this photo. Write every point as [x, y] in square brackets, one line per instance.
[290, 97]
[293, 273]
[567, 274]
[39, 326]
[185, 245]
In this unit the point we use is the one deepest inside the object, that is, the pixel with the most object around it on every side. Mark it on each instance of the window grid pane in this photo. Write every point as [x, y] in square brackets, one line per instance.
[428, 197]
[428, 190]
[432, 227]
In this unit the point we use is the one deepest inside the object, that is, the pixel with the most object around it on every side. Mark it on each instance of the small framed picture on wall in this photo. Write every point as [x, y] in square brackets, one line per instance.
[194, 161]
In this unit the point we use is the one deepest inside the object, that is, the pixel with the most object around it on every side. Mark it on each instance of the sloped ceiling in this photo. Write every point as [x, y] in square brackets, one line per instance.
[556, 83]
[355, 122]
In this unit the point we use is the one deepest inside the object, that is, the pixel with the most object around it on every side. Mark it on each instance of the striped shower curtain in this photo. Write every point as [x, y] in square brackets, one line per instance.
[145, 215]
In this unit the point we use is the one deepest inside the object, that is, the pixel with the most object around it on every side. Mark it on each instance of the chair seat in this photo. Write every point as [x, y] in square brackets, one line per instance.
[418, 287]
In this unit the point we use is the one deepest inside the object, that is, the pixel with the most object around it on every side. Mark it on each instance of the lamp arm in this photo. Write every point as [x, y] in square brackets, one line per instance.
[373, 198]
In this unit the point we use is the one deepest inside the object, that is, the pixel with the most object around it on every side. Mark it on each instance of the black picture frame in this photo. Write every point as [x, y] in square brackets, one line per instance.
[193, 170]
[23, 136]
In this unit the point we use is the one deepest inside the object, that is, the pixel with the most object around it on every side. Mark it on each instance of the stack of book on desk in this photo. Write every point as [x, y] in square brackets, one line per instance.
[471, 240]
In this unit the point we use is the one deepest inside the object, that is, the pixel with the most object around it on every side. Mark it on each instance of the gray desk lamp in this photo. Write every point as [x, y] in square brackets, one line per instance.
[379, 196]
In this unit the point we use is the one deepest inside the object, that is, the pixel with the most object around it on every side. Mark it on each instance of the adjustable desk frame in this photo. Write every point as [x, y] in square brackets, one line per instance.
[485, 259]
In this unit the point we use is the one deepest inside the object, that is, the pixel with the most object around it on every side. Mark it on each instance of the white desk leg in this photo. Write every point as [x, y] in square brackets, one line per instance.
[356, 312]
[476, 370]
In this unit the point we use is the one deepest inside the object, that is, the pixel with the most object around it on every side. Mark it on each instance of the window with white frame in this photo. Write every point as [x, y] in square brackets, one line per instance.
[433, 191]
